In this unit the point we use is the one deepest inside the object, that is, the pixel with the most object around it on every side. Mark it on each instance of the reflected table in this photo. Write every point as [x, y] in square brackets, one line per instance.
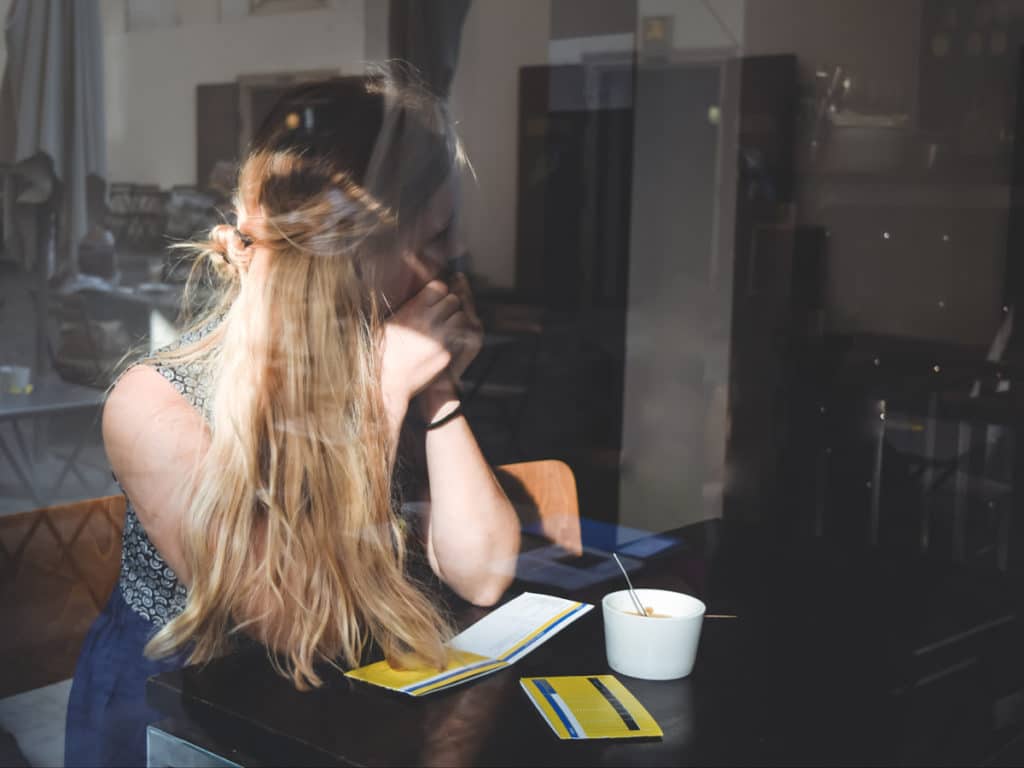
[51, 396]
[829, 661]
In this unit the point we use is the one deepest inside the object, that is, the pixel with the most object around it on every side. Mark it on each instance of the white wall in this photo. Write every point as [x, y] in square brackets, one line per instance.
[498, 38]
[152, 74]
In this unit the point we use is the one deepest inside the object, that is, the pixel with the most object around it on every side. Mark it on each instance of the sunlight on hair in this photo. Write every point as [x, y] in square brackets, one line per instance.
[292, 535]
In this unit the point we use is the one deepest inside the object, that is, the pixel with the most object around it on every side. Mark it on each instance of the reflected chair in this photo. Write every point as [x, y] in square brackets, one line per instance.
[968, 405]
[59, 566]
[544, 494]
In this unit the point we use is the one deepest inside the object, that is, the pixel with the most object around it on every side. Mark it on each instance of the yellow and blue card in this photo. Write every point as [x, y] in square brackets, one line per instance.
[590, 707]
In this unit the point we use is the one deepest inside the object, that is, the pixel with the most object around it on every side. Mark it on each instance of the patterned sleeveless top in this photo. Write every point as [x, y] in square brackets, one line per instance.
[147, 583]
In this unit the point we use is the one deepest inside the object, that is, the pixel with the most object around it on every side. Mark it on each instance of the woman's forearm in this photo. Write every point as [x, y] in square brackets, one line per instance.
[473, 531]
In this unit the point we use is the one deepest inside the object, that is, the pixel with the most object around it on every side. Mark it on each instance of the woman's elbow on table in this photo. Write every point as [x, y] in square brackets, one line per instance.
[479, 565]
[482, 584]
[487, 594]
[500, 572]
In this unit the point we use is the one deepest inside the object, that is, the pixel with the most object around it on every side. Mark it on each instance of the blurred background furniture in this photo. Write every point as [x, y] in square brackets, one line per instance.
[914, 451]
[23, 415]
[137, 215]
[953, 437]
[189, 211]
[86, 349]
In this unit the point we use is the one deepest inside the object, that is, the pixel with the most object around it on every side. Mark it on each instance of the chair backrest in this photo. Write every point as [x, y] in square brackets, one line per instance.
[544, 492]
[58, 566]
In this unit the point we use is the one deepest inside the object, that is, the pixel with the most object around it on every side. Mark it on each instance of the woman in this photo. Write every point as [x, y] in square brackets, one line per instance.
[258, 453]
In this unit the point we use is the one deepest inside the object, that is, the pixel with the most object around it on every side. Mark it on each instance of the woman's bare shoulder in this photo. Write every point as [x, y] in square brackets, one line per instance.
[147, 421]
[140, 391]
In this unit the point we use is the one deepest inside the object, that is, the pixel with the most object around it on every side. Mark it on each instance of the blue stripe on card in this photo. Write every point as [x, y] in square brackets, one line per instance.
[453, 673]
[549, 693]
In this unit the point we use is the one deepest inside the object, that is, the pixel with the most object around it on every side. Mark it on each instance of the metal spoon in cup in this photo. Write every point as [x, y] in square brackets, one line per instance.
[636, 600]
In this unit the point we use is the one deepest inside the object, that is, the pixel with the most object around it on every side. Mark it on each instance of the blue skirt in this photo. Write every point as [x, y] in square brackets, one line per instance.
[107, 712]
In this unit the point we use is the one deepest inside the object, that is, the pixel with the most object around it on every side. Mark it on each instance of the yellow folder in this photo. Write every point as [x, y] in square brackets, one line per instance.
[497, 641]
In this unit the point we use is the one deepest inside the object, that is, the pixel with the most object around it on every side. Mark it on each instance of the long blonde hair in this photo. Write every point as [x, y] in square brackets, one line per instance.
[292, 534]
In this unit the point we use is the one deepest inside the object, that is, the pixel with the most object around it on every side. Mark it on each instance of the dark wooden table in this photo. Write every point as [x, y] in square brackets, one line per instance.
[831, 660]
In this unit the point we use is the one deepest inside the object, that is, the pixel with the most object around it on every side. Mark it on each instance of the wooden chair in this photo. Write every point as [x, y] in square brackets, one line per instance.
[58, 566]
[545, 492]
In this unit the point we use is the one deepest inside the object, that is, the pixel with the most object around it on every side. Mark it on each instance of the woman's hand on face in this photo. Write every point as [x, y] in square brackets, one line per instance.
[419, 340]
[469, 335]
[463, 340]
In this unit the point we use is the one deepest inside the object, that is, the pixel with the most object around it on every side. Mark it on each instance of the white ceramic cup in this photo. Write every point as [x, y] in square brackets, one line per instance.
[15, 379]
[649, 647]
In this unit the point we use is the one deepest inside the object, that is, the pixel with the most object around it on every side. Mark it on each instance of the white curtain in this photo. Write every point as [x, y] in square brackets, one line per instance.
[52, 129]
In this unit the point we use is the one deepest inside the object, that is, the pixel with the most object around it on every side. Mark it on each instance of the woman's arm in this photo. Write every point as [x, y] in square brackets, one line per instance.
[472, 531]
